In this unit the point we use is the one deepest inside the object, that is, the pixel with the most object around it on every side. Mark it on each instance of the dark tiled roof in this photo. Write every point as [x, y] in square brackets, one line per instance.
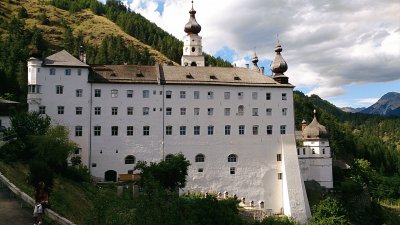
[123, 74]
[63, 58]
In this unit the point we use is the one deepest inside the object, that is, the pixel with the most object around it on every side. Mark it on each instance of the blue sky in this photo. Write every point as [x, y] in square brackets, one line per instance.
[347, 52]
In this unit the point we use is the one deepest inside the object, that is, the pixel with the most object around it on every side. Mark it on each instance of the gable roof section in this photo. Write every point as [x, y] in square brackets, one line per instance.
[63, 58]
[123, 74]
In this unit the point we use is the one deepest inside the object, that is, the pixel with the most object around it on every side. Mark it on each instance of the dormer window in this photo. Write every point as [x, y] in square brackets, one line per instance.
[140, 74]
[189, 76]
[236, 78]
[213, 77]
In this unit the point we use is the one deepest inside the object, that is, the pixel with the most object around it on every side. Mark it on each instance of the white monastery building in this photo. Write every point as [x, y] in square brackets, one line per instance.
[234, 125]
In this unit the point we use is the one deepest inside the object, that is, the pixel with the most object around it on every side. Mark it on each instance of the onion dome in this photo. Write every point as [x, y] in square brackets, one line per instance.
[315, 130]
[255, 61]
[278, 66]
[192, 27]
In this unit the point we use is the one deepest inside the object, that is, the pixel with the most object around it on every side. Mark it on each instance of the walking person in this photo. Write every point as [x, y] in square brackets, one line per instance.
[41, 202]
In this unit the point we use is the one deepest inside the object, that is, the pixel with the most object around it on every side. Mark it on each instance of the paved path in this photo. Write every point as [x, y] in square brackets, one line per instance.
[11, 212]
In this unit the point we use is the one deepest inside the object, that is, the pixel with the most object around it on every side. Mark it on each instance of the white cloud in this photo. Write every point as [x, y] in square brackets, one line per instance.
[327, 44]
[367, 101]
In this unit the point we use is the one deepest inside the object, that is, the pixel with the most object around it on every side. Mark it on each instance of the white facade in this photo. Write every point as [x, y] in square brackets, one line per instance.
[192, 51]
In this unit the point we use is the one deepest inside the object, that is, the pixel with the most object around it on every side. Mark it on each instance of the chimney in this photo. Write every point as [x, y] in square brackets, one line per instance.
[82, 54]
[303, 125]
[247, 65]
[262, 70]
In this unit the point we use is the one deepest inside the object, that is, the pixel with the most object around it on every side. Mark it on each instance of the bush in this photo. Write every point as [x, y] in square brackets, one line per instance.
[78, 174]
[22, 13]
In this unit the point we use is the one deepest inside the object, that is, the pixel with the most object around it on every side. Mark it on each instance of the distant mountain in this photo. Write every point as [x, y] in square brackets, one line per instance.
[387, 105]
[352, 110]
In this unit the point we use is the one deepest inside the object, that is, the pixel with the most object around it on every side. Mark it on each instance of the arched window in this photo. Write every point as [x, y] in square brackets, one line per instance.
[168, 157]
[199, 158]
[232, 158]
[130, 159]
[240, 110]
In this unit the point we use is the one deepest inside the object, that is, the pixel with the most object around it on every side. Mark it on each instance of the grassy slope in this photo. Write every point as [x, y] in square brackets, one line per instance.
[94, 28]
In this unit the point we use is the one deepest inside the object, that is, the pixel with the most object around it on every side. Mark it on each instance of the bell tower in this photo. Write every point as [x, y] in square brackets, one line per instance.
[192, 47]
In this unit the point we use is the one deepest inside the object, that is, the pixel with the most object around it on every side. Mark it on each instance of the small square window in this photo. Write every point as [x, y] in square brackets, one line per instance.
[60, 110]
[114, 131]
[79, 72]
[78, 93]
[227, 95]
[279, 176]
[269, 129]
[129, 130]
[196, 130]
[129, 110]
[254, 95]
[200, 170]
[196, 95]
[146, 111]
[284, 97]
[255, 130]
[240, 95]
[78, 131]
[94, 165]
[283, 129]
[78, 110]
[146, 93]
[255, 111]
[210, 111]
[210, 95]
[227, 129]
[227, 111]
[182, 94]
[146, 131]
[42, 109]
[168, 111]
[97, 93]
[279, 157]
[241, 129]
[114, 111]
[168, 94]
[269, 112]
[182, 130]
[168, 130]
[114, 93]
[97, 110]
[52, 71]
[67, 72]
[232, 170]
[183, 111]
[97, 130]
[129, 93]
[210, 130]
[268, 96]
[284, 111]
[196, 111]
[59, 89]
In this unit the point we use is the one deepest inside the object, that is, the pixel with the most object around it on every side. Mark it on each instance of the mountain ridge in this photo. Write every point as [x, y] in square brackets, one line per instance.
[387, 105]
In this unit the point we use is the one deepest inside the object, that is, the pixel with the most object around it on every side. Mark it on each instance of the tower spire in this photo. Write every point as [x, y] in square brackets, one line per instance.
[255, 61]
[192, 27]
[279, 65]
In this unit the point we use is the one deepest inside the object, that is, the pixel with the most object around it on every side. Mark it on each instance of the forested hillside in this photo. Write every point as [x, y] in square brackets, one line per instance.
[110, 33]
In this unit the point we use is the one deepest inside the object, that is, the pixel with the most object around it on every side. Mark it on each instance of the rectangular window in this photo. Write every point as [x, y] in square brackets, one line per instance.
[269, 129]
[227, 129]
[182, 130]
[97, 110]
[146, 93]
[284, 111]
[168, 130]
[114, 93]
[168, 94]
[210, 95]
[232, 170]
[129, 110]
[283, 129]
[146, 111]
[42, 109]
[168, 111]
[254, 95]
[268, 96]
[240, 95]
[60, 110]
[182, 94]
[269, 112]
[298, 151]
[129, 93]
[97, 130]
[52, 71]
[196, 111]
[279, 176]
[67, 72]
[279, 157]
[210, 130]
[304, 151]
[255, 111]
[284, 97]
[255, 130]
[183, 111]
[210, 111]
[196, 130]
[227, 111]
[129, 130]
[97, 93]
[227, 95]
[114, 111]
[196, 95]
[59, 89]
[146, 131]
[78, 110]
[114, 131]
[78, 131]
[78, 93]
[33, 88]
[241, 129]
[79, 72]
[154, 92]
